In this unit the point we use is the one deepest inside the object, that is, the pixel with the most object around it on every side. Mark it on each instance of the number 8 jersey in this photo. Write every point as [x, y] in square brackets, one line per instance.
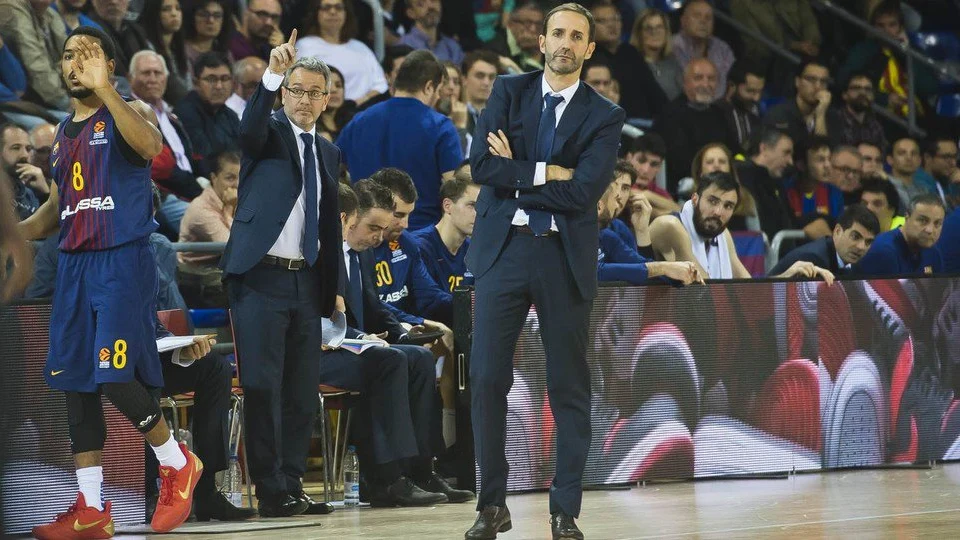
[106, 199]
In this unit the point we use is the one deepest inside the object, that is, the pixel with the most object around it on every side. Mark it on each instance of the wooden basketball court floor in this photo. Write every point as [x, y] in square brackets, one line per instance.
[889, 503]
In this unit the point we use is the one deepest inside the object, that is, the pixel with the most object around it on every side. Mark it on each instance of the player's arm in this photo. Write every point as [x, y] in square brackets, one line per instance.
[669, 236]
[45, 220]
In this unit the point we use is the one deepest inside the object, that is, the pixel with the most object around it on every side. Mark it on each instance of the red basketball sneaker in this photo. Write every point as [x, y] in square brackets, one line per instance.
[79, 522]
[176, 493]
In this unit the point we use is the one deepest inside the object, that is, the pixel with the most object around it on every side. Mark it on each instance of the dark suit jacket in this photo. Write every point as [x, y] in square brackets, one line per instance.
[376, 317]
[820, 252]
[270, 183]
[586, 140]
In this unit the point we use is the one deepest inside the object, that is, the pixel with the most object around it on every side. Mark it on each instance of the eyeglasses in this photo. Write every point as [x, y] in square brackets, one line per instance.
[821, 81]
[332, 8]
[848, 171]
[213, 79]
[951, 157]
[315, 95]
[212, 15]
[275, 17]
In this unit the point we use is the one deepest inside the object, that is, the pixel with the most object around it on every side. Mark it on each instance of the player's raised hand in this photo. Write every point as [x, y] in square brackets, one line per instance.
[284, 55]
[90, 65]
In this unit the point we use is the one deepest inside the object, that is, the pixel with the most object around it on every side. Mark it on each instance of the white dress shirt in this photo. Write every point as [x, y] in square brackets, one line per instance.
[346, 258]
[170, 134]
[289, 244]
[540, 174]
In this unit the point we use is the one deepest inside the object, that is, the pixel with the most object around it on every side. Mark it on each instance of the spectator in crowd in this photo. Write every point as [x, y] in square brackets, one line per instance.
[13, 80]
[646, 155]
[651, 37]
[911, 249]
[25, 178]
[851, 238]
[443, 247]
[398, 381]
[886, 67]
[846, 172]
[806, 114]
[854, 121]
[762, 174]
[600, 78]
[452, 106]
[716, 157]
[172, 169]
[940, 164]
[246, 76]
[810, 193]
[163, 22]
[72, 12]
[168, 295]
[872, 157]
[640, 95]
[741, 104]
[37, 34]
[699, 234]
[790, 24]
[949, 244]
[696, 40]
[425, 33]
[339, 111]
[693, 119]
[42, 138]
[330, 35]
[479, 72]
[619, 260]
[128, 36]
[209, 25]
[213, 127]
[259, 31]
[393, 57]
[519, 39]
[881, 197]
[405, 132]
[904, 161]
[392, 26]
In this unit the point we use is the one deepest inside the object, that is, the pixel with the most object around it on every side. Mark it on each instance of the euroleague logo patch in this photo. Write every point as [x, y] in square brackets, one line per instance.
[99, 136]
[104, 357]
[99, 127]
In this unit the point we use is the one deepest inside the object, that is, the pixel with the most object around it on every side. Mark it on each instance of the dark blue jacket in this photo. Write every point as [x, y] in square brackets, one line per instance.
[949, 244]
[820, 252]
[890, 256]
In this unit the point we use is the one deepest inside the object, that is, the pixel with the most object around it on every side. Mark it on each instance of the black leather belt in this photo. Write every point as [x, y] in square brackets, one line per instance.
[286, 264]
[526, 230]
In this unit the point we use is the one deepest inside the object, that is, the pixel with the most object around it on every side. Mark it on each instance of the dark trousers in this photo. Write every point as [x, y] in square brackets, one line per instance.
[398, 415]
[209, 379]
[531, 270]
[277, 333]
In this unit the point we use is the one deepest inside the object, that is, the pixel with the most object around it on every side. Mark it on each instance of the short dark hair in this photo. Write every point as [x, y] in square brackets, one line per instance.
[857, 75]
[885, 9]
[925, 198]
[858, 213]
[480, 55]
[454, 189]
[884, 186]
[392, 53]
[222, 157]
[739, 71]
[349, 29]
[931, 146]
[372, 195]
[811, 61]
[649, 143]
[766, 135]
[210, 59]
[624, 167]
[347, 198]
[106, 42]
[893, 144]
[724, 181]
[398, 182]
[417, 69]
[7, 126]
[576, 8]
[812, 144]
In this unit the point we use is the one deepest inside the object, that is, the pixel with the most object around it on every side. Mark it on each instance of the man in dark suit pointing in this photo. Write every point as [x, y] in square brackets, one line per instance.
[551, 149]
[282, 272]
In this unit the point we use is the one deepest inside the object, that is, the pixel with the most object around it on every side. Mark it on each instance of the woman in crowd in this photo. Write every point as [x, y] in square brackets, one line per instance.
[329, 35]
[451, 103]
[209, 27]
[163, 22]
[339, 110]
[716, 157]
[651, 37]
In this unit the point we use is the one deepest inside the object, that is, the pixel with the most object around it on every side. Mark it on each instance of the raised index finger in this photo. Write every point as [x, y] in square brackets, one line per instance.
[293, 37]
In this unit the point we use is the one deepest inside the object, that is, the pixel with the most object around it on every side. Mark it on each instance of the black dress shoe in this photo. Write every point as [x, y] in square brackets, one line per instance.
[436, 484]
[315, 508]
[216, 506]
[404, 492]
[563, 526]
[492, 520]
[282, 506]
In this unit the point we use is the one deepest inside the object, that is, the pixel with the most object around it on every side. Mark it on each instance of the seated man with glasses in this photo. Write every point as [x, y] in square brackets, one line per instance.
[212, 126]
[853, 122]
[807, 114]
[259, 30]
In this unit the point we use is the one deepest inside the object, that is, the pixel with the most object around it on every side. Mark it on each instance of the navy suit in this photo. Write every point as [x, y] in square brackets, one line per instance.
[276, 312]
[557, 273]
[820, 252]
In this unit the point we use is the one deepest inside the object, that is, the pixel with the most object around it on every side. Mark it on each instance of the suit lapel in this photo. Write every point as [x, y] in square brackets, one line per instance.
[286, 133]
[531, 104]
[573, 116]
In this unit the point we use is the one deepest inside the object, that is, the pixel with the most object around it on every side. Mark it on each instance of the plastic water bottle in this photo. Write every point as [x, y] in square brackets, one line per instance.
[233, 482]
[351, 478]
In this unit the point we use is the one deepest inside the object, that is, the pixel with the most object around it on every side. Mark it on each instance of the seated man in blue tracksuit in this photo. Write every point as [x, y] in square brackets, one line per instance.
[443, 247]
[618, 260]
[909, 250]
[949, 244]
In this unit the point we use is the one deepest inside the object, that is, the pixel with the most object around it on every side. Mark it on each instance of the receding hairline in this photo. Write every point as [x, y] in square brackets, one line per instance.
[586, 21]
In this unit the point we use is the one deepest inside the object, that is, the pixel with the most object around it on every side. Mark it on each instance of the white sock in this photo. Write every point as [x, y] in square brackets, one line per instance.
[90, 480]
[170, 455]
[449, 426]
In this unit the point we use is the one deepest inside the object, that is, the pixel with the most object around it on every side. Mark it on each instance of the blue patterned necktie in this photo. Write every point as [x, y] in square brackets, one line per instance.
[311, 226]
[355, 291]
[540, 219]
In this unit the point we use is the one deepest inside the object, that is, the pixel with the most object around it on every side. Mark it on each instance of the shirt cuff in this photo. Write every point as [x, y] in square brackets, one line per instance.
[540, 174]
[175, 359]
[271, 81]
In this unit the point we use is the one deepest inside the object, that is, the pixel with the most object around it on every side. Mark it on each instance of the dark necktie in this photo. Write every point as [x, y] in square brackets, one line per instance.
[356, 288]
[540, 219]
[311, 226]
